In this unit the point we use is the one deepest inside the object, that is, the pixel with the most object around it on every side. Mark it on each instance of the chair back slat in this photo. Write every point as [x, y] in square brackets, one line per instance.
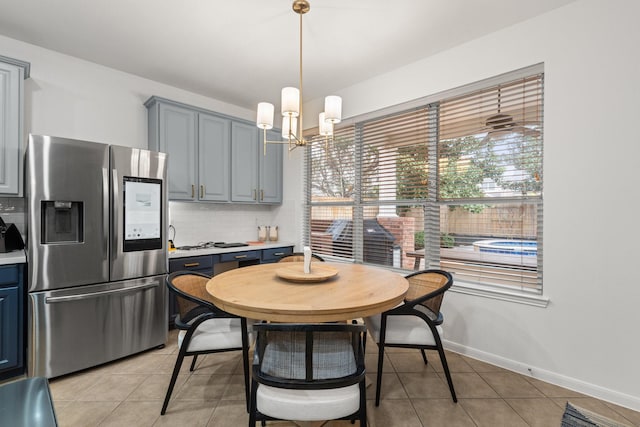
[424, 283]
[308, 356]
[292, 355]
[193, 285]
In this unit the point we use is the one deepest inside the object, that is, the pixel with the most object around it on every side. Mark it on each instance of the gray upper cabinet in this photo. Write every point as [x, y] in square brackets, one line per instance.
[255, 177]
[198, 147]
[177, 138]
[271, 169]
[244, 166]
[213, 157]
[12, 75]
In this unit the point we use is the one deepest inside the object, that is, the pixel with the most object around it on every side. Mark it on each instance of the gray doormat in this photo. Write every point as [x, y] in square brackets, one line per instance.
[575, 416]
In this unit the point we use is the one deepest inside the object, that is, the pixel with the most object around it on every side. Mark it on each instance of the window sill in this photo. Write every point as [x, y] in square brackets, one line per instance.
[499, 294]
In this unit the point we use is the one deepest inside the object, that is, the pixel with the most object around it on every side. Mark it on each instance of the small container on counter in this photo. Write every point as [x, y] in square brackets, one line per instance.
[273, 233]
[263, 233]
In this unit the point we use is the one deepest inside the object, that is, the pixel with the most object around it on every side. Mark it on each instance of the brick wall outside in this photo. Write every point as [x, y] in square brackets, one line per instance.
[402, 229]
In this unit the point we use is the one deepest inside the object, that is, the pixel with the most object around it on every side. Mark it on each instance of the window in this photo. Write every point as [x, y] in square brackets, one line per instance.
[454, 182]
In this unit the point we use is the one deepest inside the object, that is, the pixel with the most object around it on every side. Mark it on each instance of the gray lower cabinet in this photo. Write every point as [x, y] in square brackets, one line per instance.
[11, 320]
[12, 75]
[256, 177]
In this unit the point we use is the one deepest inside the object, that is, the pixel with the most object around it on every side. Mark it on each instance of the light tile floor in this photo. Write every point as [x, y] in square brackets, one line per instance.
[130, 392]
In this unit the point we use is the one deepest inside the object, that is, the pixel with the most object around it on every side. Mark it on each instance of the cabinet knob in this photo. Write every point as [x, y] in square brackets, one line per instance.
[254, 194]
[261, 195]
[202, 191]
[240, 256]
[193, 191]
[191, 264]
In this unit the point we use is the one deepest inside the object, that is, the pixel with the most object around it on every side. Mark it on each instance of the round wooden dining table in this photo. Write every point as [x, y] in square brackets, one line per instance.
[259, 292]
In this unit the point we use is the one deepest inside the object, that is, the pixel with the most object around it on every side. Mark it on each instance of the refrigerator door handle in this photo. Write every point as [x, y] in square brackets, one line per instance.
[115, 230]
[105, 213]
[53, 300]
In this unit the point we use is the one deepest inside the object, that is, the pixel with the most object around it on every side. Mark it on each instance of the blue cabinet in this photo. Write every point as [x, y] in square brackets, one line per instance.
[11, 320]
[274, 254]
[201, 264]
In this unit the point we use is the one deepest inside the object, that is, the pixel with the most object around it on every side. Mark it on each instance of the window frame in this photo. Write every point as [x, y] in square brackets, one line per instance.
[432, 202]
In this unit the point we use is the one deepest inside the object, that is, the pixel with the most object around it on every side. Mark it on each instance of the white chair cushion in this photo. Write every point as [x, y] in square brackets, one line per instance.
[214, 334]
[402, 330]
[308, 405]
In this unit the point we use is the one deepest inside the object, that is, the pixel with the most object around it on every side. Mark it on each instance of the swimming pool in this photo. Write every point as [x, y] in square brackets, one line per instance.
[508, 247]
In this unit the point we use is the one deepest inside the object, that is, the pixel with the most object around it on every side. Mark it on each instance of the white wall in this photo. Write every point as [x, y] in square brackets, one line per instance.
[72, 98]
[587, 338]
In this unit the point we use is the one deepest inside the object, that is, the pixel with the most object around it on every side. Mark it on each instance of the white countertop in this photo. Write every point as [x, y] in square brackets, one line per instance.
[213, 251]
[15, 257]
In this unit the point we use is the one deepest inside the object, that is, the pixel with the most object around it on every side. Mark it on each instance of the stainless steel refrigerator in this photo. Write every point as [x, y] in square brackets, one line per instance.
[96, 253]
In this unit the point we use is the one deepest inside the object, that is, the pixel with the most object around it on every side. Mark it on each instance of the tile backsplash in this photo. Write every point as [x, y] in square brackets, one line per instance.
[203, 222]
[13, 210]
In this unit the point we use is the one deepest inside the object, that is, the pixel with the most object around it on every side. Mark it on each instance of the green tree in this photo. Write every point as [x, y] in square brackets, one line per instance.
[524, 153]
[333, 169]
[464, 163]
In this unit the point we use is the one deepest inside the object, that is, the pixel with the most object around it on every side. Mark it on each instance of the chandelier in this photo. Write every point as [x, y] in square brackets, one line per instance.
[291, 106]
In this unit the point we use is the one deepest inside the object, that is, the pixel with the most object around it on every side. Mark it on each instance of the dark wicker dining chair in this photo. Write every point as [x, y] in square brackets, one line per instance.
[204, 328]
[308, 372]
[417, 323]
[299, 257]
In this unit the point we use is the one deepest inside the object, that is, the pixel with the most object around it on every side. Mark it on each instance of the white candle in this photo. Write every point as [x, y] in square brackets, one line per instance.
[307, 259]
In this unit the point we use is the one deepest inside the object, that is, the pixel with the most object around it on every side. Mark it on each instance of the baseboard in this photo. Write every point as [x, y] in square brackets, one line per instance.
[622, 399]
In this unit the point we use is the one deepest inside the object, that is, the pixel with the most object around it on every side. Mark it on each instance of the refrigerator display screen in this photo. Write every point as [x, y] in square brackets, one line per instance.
[142, 213]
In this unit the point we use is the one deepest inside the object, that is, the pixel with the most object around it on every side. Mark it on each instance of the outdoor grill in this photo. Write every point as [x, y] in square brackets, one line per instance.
[377, 241]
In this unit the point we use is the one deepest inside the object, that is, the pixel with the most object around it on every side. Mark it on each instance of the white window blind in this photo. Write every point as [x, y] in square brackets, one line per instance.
[332, 194]
[453, 184]
[490, 184]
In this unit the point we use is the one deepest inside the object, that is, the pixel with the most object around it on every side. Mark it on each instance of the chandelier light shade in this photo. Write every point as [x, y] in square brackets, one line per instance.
[289, 126]
[265, 116]
[291, 106]
[325, 127]
[290, 101]
[333, 109]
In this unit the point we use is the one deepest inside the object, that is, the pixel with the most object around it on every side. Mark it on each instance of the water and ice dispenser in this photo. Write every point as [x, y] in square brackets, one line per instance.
[62, 222]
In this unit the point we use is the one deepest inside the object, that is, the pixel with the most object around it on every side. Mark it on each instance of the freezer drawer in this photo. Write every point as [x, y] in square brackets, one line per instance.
[74, 329]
